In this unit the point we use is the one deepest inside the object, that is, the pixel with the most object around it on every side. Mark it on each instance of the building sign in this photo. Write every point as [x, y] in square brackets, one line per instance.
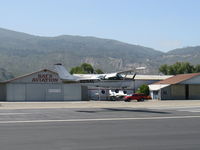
[45, 78]
[54, 90]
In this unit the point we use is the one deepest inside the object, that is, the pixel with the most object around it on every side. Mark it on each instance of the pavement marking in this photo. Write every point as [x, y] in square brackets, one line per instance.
[186, 109]
[190, 110]
[4, 114]
[176, 107]
[100, 119]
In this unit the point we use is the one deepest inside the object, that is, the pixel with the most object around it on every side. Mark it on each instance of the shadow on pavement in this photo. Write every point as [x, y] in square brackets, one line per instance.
[123, 109]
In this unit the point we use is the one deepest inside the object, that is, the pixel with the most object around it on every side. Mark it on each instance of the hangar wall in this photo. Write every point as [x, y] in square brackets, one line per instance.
[2, 92]
[43, 92]
[194, 91]
[15, 92]
[72, 92]
[173, 92]
[43, 85]
[165, 93]
[178, 91]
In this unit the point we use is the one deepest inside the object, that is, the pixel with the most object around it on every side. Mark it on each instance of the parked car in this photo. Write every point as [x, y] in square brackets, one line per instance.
[136, 96]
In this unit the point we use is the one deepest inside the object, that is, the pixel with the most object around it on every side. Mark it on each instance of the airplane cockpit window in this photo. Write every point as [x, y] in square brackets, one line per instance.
[102, 77]
[119, 77]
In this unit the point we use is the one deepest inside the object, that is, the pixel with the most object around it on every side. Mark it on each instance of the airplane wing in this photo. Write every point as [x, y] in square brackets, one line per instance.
[117, 75]
[132, 70]
[125, 72]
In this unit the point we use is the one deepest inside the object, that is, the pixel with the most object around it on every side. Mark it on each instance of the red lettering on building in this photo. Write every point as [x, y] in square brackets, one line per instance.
[45, 78]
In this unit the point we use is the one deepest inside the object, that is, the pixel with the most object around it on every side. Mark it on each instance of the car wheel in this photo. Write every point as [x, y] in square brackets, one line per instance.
[127, 100]
[140, 100]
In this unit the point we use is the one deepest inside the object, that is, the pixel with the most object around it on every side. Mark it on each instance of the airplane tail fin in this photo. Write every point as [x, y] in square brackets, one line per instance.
[63, 73]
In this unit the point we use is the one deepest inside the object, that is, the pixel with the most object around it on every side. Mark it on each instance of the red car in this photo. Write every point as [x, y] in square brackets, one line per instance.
[136, 96]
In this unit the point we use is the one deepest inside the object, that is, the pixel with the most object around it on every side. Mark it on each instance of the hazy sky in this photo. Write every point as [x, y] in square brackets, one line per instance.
[159, 24]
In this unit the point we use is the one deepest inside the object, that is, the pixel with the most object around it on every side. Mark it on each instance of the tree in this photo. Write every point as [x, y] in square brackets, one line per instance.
[77, 70]
[99, 71]
[178, 68]
[171, 71]
[143, 89]
[197, 68]
[164, 69]
[85, 69]
[188, 68]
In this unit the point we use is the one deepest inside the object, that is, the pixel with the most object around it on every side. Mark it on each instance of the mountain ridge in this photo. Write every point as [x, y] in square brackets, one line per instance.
[23, 53]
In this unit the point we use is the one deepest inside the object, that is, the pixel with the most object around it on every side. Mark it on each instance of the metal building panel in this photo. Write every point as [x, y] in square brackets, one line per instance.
[72, 92]
[178, 91]
[84, 93]
[54, 92]
[35, 92]
[194, 91]
[2, 92]
[16, 92]
[165, 93]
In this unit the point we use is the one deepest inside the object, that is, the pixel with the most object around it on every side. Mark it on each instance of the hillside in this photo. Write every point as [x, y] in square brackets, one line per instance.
[23, 53]
[189, 54]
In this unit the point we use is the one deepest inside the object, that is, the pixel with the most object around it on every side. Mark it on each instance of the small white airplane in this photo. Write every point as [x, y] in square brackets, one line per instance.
[116, 80]
[65, 76]
[117, 94]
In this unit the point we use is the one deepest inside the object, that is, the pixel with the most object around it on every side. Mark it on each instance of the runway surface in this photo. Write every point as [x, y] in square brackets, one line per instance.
[100, 128]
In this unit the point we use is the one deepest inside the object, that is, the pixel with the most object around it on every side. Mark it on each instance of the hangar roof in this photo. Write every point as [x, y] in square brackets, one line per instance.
[178, 78]
[155, 87]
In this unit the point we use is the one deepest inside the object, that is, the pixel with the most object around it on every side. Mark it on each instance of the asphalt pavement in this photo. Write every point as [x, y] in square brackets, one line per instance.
[100, 128]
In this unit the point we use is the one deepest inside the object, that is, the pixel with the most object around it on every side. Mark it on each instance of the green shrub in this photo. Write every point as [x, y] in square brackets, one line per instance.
[143, 89]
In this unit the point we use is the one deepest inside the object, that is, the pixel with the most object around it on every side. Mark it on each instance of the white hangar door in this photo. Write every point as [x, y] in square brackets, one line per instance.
[54, 92]
[35, 92]
[44, 92]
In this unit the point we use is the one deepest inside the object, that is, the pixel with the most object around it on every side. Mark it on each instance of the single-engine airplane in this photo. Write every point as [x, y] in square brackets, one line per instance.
[110, 80]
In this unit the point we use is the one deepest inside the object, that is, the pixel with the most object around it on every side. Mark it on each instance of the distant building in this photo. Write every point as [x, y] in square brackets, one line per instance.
[179, 87]
[97, 93]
